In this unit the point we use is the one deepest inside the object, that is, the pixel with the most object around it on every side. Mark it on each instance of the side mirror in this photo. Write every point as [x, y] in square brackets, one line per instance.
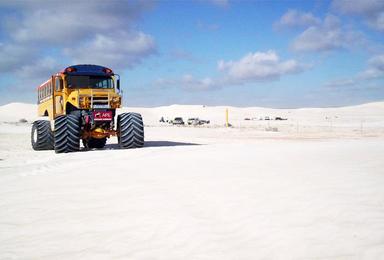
[118, 85]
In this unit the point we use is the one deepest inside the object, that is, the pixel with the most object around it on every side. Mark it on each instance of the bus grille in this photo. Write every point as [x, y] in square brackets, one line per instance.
[100, 102]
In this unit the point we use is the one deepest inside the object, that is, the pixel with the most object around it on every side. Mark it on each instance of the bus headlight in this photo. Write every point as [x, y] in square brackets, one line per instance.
[115, 102]
[83, 102]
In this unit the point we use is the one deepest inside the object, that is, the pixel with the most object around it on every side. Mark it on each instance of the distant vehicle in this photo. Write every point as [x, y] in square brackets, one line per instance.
[267, 118]
[205, 121]
[192, 121]
[247, 119]
[280, 118]
[197, 121]
[178, 121]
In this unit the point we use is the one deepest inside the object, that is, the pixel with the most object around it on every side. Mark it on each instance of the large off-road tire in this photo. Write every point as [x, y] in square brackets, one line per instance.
[130, 130]
[41, 135]
[95, 143]
[67, 133]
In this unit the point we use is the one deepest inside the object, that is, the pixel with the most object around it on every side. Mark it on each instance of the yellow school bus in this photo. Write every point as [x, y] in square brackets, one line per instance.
[79, 103]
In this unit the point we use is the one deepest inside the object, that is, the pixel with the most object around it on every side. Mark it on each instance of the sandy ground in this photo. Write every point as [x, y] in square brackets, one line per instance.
[200, 193]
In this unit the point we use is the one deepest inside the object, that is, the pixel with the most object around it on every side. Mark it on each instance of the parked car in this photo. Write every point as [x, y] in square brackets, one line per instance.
[193, 121]
[197, 121]
[178, 121]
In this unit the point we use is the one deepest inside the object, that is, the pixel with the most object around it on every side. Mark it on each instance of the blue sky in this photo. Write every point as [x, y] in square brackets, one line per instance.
[218, 52]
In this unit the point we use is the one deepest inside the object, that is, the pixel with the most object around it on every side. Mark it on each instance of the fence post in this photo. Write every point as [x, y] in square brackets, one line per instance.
[226, 118]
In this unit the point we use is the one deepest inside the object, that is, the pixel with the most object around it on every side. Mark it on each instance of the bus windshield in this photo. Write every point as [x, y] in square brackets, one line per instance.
[89, 82]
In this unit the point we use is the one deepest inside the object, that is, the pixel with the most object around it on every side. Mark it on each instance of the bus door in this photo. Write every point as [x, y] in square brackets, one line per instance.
[58, 103]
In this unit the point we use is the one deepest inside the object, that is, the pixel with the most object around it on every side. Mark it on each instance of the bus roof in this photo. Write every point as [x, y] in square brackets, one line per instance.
[88, 69]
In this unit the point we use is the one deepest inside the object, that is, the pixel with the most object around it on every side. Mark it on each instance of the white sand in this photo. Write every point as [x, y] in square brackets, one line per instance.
[201, 193]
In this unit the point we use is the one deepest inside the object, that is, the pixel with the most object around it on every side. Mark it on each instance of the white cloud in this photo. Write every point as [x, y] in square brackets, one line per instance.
[295, 18]
[327, 36]
[120, 50]
[259, 66]
[40, 69]
[371, 10]
[31, 75]
[62, 23]
[41, 37]
[361, 7]
[191, 83]
[253, 67]
[375, 68]
[12, 56]
[188, 82]
[90, 31]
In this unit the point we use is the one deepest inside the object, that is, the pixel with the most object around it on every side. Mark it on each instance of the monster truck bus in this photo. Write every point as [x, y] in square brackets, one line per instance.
[80, 102]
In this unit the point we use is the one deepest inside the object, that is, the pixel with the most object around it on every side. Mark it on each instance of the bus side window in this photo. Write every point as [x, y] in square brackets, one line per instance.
[58, 84]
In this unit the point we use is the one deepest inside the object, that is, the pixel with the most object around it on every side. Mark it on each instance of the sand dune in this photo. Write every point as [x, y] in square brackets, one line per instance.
[366, 119]
[374, 111]
[200, 192]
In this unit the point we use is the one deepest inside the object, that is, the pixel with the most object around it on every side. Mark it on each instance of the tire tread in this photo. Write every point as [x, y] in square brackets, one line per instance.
[67, 133]
[130, 130]
[44, 135]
